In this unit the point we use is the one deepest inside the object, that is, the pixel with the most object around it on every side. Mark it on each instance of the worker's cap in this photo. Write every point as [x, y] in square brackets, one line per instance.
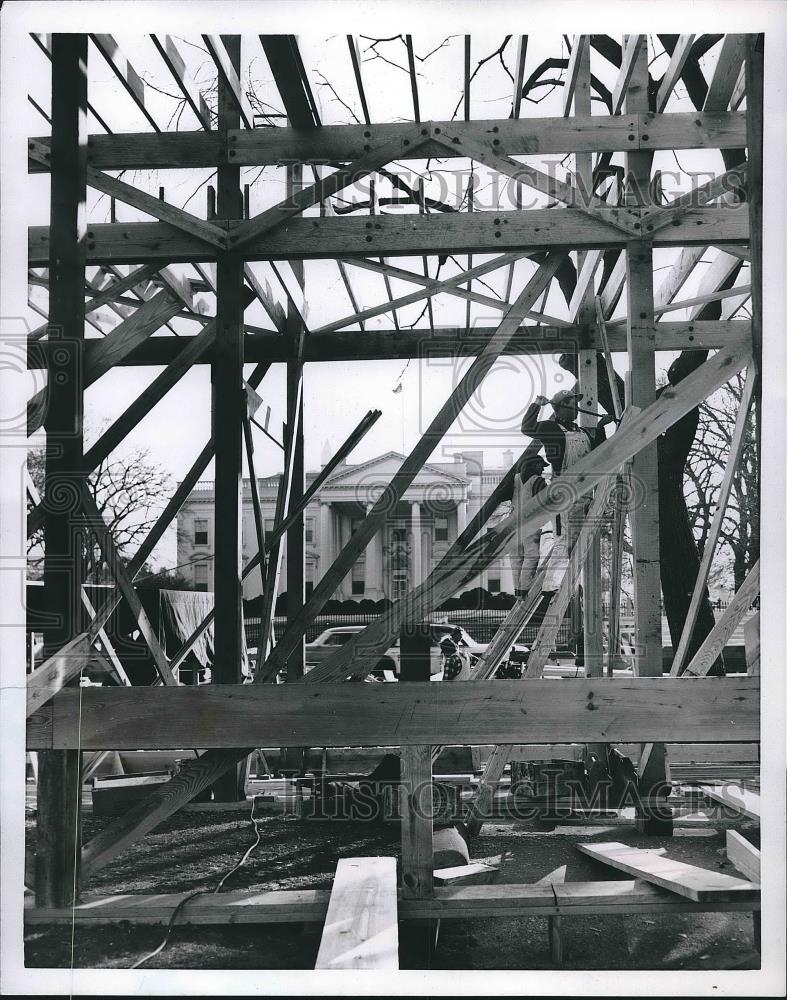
[536, 461]
[448, 645]
[564, 395]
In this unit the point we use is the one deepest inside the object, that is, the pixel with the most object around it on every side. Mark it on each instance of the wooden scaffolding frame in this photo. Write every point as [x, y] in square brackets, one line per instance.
[621, 228]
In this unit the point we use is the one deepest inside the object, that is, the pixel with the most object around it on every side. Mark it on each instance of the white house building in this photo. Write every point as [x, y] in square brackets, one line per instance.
[434, 509]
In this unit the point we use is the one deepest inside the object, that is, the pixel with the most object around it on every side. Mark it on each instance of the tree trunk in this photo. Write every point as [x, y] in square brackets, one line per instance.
[680, 559]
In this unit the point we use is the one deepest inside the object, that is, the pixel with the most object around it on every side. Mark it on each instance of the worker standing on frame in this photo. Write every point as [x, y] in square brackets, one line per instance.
[528, 481]
[564, 444]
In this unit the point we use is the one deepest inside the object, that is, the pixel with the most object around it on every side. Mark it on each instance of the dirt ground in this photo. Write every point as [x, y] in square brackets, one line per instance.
[194, 850]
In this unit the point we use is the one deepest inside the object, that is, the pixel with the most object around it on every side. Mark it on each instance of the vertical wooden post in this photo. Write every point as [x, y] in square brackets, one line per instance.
[296, 555]
[415, 652]
[415, 809]
[59, 776]
[227, 412]
[588, 385]
[754, 128]
[641, 332]
[295, 547]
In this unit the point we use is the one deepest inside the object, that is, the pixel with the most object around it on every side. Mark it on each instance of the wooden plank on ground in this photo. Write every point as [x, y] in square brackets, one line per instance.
[744, 855]
[361, 929]
[686, 880]
[586, 710]
[742, 800]
[476, 873]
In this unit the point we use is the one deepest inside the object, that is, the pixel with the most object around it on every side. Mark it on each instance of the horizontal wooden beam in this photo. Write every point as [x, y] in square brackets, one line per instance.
[593, 710]
[248, 906]
[331, 143]
[446, 342]
[405, 235]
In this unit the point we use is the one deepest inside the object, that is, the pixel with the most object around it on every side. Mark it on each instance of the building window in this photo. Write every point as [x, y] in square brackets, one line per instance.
[308, 531]
[441, 529]
[201, 577]
[494, 585]
[200, 531]
[269, 522]
[359, 576]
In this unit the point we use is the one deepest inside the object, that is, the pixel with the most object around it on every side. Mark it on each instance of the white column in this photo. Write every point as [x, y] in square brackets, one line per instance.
[461, 517]
[325, 538]
[415, 527]
[374, 561]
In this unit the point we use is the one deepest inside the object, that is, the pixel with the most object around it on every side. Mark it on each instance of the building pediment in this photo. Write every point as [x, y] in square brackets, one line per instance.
[380, 471]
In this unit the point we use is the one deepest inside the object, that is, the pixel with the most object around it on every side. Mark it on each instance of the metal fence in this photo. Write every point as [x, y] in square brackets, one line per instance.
[481, 625]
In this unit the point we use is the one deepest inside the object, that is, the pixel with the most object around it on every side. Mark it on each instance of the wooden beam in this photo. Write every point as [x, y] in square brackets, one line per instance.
[400, 235]
[361, 929]
[677, 275]
[117, 344]
[125, 72]
[284, 509]
[578, 52]
[632, 47]
[355, 57]
[415, 810]
[725, 74]
[519, 75]
[332, 143]
[267, 345]
[743, 855]
[510, 900]
[106, 542]
[754, 122]
[296, 550]
[228, 404]
[727, 184]
[481, 802]
[751, 642]
[369, 162]
[674, 70]
[590, 609]
[553, 618]
[711, 541]
[168, 51]
[412, 464]
[430, 288]
[743, 801]
[686, 880]
[57, 874]
[290, 78]
[149, 397]
[210, 716]
[408, 39]
[484, 151]
[719, 635]
[229, 76]
[120, 285]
